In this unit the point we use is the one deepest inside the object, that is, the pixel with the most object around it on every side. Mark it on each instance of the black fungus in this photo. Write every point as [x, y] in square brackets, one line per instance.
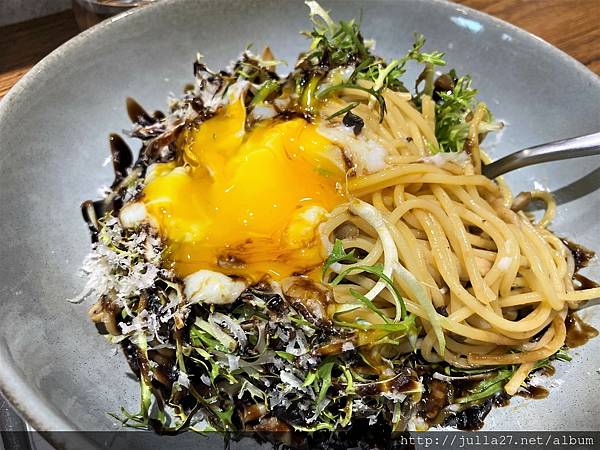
[154, 151]
[353, 121]
[361, 434]
[203, 112]
[91, 212]
[275, 302]
[131, 354]
[154, 301]
[199, 68]
[472, 417]
[101, 328]
[291, 414]
[137, 114]
[442, 311]
[444, 83]
[122, 158]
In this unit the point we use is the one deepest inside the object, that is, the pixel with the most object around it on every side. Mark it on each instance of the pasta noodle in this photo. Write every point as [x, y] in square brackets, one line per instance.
[487, 280]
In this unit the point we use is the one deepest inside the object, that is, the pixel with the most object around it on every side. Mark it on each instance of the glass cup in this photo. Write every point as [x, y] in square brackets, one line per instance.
[90, 12]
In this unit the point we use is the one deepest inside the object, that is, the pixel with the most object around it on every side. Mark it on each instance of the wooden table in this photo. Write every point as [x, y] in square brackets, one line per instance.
[571, 25]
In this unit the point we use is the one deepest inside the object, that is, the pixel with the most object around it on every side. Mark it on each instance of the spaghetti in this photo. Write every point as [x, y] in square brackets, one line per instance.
[489, 279]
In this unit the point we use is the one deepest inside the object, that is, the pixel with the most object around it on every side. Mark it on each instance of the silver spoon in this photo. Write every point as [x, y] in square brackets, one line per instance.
[576, 147]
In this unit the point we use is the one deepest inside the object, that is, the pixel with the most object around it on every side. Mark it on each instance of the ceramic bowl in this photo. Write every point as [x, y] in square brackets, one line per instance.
[54, 126]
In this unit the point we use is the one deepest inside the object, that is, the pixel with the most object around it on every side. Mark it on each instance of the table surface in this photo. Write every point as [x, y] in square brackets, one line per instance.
[571, 25]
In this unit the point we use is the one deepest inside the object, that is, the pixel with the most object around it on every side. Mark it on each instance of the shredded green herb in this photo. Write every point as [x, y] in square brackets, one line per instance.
[337, 255]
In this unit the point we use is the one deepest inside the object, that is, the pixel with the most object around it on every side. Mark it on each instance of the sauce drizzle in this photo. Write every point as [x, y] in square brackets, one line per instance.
[578, 332]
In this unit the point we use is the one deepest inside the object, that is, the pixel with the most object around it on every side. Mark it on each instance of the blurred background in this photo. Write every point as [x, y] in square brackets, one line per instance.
[13, 11]
[30, 29]
[87, 12]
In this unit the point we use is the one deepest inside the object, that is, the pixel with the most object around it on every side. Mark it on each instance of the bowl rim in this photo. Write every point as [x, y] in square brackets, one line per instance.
[39, 414]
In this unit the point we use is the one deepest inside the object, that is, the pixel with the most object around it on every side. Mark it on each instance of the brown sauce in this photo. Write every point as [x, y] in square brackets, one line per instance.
[578, 332]
[583, 282]
[582, 257]
[439, 395]
[534, 392]
[548, 371]
[581, 254]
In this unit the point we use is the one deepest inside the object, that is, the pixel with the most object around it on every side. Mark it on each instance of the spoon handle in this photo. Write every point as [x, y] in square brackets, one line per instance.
[553, 151]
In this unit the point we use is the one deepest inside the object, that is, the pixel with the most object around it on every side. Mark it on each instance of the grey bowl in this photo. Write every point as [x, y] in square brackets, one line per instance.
[54, 125]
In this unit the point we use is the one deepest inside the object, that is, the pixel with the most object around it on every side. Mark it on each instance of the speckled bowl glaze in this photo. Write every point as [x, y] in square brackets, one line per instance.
[54, 126]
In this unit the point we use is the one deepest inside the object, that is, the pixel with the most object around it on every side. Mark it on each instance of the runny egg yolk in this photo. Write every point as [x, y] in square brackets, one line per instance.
[246, 203]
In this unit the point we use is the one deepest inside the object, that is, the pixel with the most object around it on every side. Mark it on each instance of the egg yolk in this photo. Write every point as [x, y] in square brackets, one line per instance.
[246, 203]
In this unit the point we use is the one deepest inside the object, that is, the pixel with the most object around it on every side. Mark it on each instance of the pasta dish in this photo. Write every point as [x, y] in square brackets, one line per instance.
[321, 250]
